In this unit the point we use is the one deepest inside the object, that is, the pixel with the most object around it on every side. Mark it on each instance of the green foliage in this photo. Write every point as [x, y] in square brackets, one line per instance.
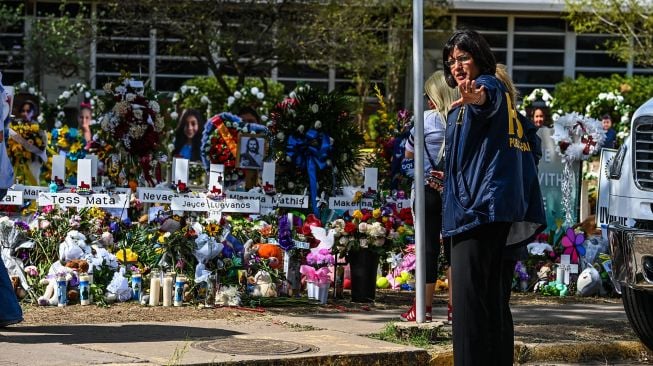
[57, 43]
[9, 17]
[628, 22]
[574, 95]
[208, 86]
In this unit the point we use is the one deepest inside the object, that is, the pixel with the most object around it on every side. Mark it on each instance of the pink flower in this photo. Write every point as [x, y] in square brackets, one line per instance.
[32, 271]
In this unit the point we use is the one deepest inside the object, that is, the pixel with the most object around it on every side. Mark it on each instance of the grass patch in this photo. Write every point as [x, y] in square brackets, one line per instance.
[422, 337]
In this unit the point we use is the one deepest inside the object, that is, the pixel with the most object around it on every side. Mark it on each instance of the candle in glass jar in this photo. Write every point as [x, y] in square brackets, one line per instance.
[179, 291]
[167, 290]
[62, 290]
[137, 287]
[84, 289]
[155, 288]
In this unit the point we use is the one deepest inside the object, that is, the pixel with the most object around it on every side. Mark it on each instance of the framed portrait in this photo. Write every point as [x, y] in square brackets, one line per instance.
[25, 107]
[251, 151]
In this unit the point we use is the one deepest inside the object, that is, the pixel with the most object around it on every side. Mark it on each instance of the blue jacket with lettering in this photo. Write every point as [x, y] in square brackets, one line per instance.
[491, 172]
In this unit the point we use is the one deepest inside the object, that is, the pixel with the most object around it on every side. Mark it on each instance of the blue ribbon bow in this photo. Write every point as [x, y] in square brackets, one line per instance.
[310, 152]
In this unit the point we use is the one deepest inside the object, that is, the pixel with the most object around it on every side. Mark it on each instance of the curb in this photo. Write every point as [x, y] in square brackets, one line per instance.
[566, 352]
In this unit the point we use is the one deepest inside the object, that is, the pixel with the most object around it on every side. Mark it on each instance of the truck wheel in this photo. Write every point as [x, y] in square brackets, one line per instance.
[639, 307]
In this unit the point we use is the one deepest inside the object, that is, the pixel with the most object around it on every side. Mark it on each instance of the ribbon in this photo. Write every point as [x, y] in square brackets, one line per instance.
[29, 147]
[218, 122]
[319, 276]
[310, 152]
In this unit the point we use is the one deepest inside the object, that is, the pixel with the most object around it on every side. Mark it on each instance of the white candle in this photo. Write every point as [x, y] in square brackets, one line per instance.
[179, 291]
[155, 289]
[167, 290]
[84, 290]
[559, 274]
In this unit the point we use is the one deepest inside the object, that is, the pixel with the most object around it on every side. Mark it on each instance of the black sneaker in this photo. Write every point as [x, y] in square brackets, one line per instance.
[6, 323]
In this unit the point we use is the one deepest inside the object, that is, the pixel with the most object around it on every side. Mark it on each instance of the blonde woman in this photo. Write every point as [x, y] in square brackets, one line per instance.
[440, 98]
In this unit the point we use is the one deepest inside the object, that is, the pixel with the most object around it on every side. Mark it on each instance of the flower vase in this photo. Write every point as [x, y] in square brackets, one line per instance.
[363, 265]
[322, 292]
[311, 290]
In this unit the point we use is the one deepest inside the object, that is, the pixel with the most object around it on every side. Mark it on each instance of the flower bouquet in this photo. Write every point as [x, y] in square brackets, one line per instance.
[26, 149]
[133, 126]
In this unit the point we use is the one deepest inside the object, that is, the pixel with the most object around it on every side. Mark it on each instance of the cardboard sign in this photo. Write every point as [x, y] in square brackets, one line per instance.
[76, 200]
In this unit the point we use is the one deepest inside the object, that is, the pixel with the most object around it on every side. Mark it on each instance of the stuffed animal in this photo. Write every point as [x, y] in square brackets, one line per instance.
[228, 296]
[273, 252]
[263, 285]
[73, 247]
[71, 271]
[542, 277]
[589, 282]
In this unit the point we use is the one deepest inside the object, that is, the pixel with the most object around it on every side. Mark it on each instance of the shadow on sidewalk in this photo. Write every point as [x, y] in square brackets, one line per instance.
[85, 334]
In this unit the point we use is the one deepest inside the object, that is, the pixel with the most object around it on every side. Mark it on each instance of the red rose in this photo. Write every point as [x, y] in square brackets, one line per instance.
[350, 228]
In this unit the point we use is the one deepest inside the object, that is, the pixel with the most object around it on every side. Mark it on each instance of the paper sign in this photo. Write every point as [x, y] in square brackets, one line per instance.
[346, 203]
[13, 198]
[180, 171]
[76, 200]
[58, 168]
[204, 204]
[216, 178]
[84, 175]
[371, 179]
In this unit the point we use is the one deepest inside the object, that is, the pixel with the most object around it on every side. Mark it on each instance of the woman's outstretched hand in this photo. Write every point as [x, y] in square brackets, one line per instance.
[470, 94]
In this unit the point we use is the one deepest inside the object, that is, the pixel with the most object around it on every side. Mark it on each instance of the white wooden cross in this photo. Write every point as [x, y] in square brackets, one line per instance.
[565, 269]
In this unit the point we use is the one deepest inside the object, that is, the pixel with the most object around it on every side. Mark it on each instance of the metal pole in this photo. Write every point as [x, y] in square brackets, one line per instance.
[418, 86]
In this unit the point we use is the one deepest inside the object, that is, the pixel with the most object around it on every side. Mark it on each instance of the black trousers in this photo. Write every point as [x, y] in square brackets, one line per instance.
[482, 323]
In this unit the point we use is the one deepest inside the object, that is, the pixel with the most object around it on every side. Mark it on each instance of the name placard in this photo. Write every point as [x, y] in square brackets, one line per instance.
[13, 198]
[271, 202]
[76, 200]
[31, 192]
[401, 203]
[203, 204]
[346, 203]
[158, 195]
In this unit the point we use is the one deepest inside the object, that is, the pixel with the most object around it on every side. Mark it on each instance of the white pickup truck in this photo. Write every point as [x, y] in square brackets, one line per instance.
[630, 231]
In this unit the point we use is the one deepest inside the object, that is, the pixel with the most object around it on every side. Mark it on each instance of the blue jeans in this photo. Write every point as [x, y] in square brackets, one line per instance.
[9, 308]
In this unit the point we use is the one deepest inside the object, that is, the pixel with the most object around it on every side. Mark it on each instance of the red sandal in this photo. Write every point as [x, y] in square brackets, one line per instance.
[411, 315]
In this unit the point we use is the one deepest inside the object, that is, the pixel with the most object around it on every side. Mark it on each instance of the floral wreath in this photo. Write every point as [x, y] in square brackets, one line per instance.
[133, 126]
[220, 142]
[253, 98]
[186, 91]
[537, 94]
[72, 90]
[314, 132]
[577, 137]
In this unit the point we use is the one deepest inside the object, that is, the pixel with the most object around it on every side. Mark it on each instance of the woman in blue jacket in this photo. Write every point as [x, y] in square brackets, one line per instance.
[491, 198]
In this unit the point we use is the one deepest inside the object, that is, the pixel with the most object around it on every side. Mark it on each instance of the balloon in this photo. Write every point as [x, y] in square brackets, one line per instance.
[382, 282]
[346, 284]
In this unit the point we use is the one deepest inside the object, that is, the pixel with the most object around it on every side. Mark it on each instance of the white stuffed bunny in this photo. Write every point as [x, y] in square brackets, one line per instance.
[73, 247]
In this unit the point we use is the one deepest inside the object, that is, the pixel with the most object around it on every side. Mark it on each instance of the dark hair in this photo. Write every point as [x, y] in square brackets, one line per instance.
[180, 137]
[473, 43]
[32, 108]
[607, 116]
[250, 110]
[255, 140]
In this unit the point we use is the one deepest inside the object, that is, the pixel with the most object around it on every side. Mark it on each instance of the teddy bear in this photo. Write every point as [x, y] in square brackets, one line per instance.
[542, 277]
[263, 285]
[73, 247]
[71, 272]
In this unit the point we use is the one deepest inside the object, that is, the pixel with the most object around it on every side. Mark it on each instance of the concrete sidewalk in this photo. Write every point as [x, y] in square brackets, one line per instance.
[314, 338]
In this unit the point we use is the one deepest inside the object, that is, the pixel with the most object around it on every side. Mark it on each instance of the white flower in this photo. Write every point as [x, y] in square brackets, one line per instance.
[23, 85]
[175, 97]
[66, 94]
[87, 95]
[301, 128]
[292, 95]
[281, 136]
[138, 114]
[264, 118]
[171, 147]
[318, 125]
[31, 90]
[61, 114]
[244, 129]
[227, 124]
[57, 124]
[174, 115]
[254, 91]
[130, 97]
[362, 227]
[237, 94]
[260, 95]
[183, 89]
[40, 119]
[230, 101]
[314, 108]
[288, 159]
[154, 106]
[328, 162]
[291, 185]
[301, 89]
[204, 99]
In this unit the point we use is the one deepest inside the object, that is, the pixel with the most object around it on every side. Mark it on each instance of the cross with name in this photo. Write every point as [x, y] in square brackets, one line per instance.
[565, 269]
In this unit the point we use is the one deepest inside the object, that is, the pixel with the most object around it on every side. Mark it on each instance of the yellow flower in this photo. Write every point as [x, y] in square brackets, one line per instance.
[376, 213]
[401, 230]
[213, 229]
[159, 250]
[75, 147]
[357, 214]
[131, 256]
[161, 239]
[34, 127]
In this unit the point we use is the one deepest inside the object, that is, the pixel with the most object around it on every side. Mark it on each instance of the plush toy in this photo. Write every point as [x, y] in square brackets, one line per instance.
[73, 247]
[71, 271]
[441, 285]
[589, 282]
[263, 285]
[273, 252]
[542, 277]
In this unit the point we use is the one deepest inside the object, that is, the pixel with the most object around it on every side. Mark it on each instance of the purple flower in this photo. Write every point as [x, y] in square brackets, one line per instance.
[180, 264]
[114, 227]
[22, 225]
